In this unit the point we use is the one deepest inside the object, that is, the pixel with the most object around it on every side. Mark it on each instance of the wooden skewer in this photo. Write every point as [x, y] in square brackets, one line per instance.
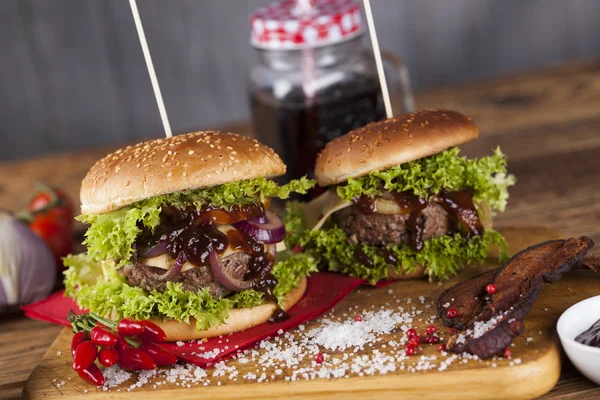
[308, 60]
[150, 66]
[378, 61]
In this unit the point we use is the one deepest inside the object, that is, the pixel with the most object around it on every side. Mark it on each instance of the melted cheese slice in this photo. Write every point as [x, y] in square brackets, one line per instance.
[165, 262]
[318, 210]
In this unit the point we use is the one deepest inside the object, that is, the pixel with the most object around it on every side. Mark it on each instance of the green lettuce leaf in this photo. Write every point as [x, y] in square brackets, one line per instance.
[110, 236]
[443, 257]
[485, 177]
[290, 271]
[98, 287]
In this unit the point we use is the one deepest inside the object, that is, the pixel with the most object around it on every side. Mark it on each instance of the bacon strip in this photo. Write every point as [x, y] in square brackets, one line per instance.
[518, 284]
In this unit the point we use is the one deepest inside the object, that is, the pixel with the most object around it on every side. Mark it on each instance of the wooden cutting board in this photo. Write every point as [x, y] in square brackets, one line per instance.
[537, 350]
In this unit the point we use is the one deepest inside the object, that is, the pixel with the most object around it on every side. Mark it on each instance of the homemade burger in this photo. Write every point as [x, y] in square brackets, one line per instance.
[402, 202]
[181, 233]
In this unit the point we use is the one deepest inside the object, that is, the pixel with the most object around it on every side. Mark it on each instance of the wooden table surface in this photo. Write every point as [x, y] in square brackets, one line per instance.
[546, 121]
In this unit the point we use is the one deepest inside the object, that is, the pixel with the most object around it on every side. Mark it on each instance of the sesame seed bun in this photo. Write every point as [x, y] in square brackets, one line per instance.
[161, 166]
[384, 144]
[239, 319]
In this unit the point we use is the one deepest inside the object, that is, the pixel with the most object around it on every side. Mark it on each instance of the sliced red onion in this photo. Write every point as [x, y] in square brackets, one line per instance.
[176, 268]
[156, 250]
[261, 220]
[224, 278]
[270, 231]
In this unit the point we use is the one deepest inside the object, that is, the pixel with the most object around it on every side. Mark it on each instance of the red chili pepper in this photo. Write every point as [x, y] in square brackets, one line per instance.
[85, 354]
[108, 356]
[160, 356]
[121, 344]
[92, 374]
[152, 333]
[130, 327]
[135, 360]
[76, 341]
[102, 337]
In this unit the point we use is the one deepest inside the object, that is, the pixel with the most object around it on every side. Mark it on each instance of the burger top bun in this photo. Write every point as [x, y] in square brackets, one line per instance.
[384, 144]
[161, 166]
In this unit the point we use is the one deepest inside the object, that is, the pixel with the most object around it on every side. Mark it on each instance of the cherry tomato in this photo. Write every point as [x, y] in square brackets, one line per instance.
[53, 204]
[57, 236]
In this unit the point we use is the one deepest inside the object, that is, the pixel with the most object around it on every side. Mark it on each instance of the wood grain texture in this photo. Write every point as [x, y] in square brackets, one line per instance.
[535, 375]
[552, 144]
[73, 75]
[23, 343]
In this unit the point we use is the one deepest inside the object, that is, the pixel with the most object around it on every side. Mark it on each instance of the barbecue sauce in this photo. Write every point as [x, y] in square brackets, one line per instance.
[363, 258]
[413, 204]
[366, 204]
[194, 232]
[462, 212]
[388, 256]
[278, 316]
[591, 337]
[459, 206]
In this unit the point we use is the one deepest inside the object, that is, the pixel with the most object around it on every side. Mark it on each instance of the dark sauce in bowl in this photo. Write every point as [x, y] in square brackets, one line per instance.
[591, 337]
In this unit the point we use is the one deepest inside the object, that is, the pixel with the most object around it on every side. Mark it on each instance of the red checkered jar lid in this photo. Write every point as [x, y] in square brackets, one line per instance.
[291, 25]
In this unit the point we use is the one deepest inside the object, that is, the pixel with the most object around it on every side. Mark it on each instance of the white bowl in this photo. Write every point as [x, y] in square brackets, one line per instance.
[577, 319]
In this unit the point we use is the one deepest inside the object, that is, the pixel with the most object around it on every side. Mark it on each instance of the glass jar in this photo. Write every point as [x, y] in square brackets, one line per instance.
[303, 95]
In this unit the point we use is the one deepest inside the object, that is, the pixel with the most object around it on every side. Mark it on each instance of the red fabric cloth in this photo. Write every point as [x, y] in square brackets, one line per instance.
[324, 291]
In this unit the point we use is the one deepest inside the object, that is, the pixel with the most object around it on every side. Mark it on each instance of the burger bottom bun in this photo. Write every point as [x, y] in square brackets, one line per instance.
[239, 319]
[395, 275]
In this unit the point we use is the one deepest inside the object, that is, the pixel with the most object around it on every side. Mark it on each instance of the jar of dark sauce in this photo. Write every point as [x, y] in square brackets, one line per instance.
[315, 80]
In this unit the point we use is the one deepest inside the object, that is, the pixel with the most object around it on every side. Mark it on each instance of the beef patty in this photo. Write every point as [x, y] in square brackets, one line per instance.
[199, 277]
[389, 230]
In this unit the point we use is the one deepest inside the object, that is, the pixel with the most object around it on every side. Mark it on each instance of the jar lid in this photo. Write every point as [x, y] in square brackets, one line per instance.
[297, 24]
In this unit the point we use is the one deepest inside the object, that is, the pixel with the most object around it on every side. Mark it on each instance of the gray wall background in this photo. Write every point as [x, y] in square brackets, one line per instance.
[72, 74]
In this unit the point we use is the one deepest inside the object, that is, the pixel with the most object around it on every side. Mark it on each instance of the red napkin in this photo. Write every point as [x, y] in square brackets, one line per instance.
[324, 291]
